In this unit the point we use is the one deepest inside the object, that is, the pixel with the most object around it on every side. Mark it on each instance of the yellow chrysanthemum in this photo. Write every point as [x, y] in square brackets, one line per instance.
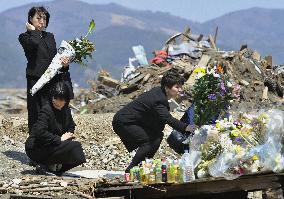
[235, 133]
[200, 70]
[218, 125]
[238, 149]
[254, 157]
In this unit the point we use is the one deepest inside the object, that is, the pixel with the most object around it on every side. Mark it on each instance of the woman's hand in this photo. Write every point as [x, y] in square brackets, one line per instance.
[29, 26]
[191, 128]
[65, 61]
[67, 136]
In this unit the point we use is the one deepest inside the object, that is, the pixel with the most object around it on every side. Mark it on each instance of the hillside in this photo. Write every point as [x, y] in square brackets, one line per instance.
[119, 28]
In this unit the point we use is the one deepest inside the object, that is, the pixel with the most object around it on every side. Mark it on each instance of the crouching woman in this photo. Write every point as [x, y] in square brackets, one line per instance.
[140, 123]
[50, 142]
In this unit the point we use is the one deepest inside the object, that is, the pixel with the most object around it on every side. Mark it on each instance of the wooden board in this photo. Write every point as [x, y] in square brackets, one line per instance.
[252, 182]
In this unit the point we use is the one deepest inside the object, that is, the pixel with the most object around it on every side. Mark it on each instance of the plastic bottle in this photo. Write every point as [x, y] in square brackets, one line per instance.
[188, 173]
[143, 173]
[158, 171]
[171, 172]
[177, 171]
[164, 171]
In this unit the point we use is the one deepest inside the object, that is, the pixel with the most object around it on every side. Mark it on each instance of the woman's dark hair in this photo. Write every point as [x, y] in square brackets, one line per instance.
[171, 78]
[60, 91]
[38, 10]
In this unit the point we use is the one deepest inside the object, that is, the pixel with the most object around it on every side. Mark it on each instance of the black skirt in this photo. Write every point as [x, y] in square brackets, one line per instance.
[68, 152]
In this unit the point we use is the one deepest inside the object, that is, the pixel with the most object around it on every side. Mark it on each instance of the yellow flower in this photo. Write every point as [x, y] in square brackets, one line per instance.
[200, 70]
[218, 126]
[235, 133]
[238, 149]
[254, 157]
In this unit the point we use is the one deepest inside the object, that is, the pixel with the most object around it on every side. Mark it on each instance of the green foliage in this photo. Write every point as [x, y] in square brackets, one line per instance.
[83, 47]
[211, 97]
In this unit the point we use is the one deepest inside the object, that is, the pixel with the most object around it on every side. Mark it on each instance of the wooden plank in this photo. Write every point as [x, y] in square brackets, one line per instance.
[216, 33]
[260, 181]
[136, 79]
[203, 61]
[211, 41]
[265, 93]
[213, 187]
[108, 81]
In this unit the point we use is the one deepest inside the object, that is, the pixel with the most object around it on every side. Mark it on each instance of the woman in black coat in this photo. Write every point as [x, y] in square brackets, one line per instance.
[40, 48]
[50, 141]
[140, 123]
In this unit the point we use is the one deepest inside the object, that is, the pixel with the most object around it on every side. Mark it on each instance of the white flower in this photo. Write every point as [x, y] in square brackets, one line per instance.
[229, 84]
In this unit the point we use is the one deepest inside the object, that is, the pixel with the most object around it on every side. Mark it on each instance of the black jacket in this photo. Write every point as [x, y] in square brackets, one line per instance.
[51, 124]
[40, 48]
[150, 110]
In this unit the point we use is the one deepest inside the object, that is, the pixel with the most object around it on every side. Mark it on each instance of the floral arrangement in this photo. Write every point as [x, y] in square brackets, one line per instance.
[226, 145]
[83, 47]
[76, 50]
[212, 93]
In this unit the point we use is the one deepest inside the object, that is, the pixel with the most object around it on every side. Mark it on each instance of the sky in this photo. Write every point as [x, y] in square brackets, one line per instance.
[195, 10]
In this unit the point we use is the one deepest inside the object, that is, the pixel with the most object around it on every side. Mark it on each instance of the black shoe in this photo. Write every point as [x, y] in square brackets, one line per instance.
[43, 170]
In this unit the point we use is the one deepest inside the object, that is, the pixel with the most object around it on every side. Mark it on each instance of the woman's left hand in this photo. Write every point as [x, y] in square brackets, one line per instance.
[65, 61]
[191, 128]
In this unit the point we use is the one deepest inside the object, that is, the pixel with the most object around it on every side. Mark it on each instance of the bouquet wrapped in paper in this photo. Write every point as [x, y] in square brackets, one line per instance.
[76, 51]
[241, 145]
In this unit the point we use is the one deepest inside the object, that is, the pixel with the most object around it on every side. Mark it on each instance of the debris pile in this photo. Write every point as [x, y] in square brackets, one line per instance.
[47, 187]
[261, 82]
[13, 101]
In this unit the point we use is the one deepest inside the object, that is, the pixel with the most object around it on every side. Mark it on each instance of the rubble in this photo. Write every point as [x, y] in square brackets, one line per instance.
[13, 101]
[261, 81]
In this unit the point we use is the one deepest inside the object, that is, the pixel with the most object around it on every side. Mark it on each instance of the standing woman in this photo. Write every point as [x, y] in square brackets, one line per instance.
[40, 48]
[50, 141]
[140, 123]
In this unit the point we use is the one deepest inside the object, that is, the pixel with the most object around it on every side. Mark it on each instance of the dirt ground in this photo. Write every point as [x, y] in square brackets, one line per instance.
[101, 145]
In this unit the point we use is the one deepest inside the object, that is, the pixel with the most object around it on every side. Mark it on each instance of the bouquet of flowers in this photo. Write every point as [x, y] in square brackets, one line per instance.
[76, 50]
[226, 146]
[212, 93]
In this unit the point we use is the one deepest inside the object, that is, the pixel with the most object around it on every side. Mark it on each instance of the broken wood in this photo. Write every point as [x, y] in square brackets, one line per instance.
[203, 61]
[256, 56]
[216, 33]
[136, 79]
[212, 43]
[145, 79]
[268, 61]
[264, 93]
[108, 81]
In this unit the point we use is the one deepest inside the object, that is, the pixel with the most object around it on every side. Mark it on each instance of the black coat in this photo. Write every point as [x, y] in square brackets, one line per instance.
[150, 110]
[50, 126]
[40, 48]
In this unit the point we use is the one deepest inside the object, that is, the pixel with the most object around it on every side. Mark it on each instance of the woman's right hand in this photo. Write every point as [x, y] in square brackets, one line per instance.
[29, 26]
[67, 136]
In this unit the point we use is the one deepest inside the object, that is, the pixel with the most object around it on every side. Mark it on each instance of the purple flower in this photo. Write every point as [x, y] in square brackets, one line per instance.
[223, 88]
[212, 97]
[238, 139]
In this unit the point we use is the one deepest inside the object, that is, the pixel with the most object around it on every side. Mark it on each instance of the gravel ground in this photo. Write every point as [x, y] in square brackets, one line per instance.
[102, 146]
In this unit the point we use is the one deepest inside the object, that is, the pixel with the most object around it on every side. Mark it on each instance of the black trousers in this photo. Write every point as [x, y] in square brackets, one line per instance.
[69, 153]
[136, 136]
[35, 102]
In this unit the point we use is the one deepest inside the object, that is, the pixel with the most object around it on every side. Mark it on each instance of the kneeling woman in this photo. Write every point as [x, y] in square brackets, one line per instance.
[140, 123]
[50, 141]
